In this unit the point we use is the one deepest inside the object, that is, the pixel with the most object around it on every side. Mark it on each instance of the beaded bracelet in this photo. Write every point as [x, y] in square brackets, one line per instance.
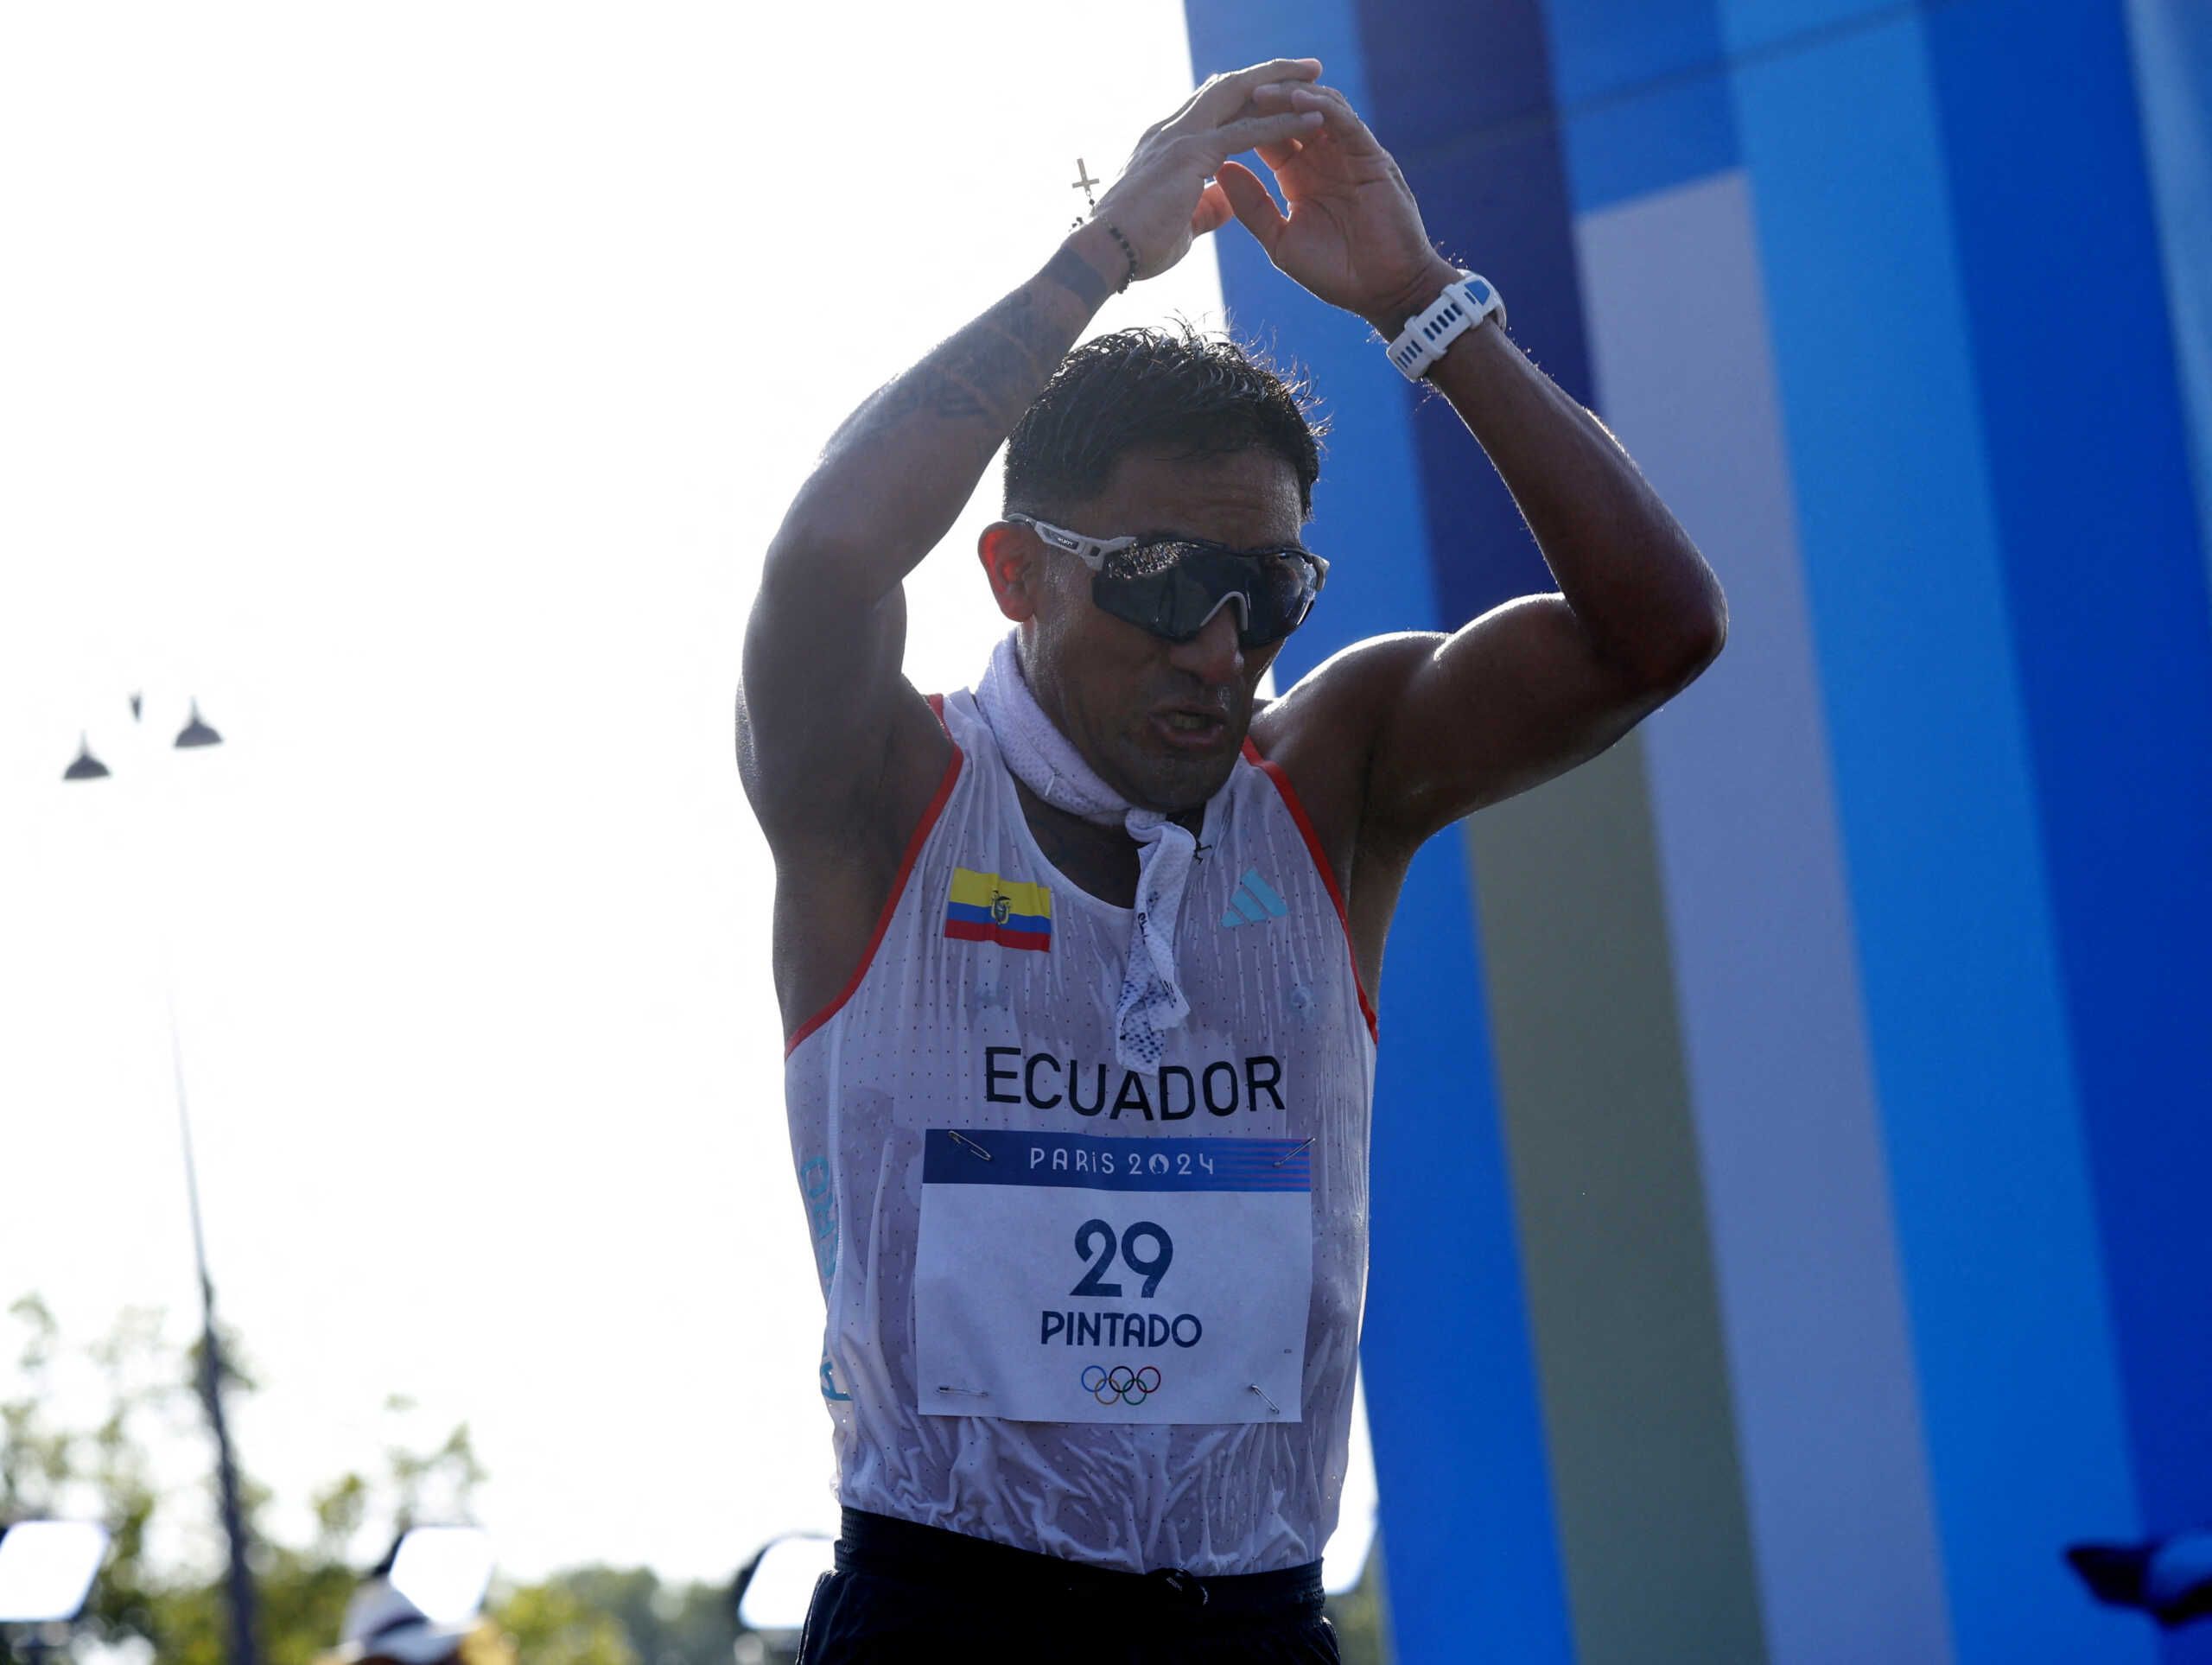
[1115, 232]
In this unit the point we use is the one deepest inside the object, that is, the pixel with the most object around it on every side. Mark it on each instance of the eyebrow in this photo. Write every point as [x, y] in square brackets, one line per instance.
[1167, 534]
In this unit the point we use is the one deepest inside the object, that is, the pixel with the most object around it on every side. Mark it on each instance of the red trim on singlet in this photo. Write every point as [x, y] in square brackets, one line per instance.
[1290, 801]
[898, 885]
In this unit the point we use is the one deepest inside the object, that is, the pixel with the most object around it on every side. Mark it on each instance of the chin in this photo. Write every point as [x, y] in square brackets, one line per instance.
[1172, 785]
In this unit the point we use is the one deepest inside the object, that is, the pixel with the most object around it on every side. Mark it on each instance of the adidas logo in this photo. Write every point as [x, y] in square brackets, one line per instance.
[1254, 902]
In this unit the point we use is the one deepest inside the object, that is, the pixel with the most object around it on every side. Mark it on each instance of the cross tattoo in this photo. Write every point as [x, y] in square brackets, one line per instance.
[1083, 183]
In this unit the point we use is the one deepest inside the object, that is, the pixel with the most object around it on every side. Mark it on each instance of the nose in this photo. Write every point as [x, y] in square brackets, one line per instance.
[1213, 654]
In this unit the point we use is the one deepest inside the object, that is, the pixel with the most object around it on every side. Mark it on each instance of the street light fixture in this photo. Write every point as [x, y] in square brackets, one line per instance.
[197, 733]
[47, 1569]
[772, 1595]
[443, 1570]
[86, 767]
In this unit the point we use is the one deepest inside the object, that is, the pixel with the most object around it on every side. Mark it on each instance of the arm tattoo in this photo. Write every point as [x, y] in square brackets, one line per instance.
[986, 374]
[1078, 276]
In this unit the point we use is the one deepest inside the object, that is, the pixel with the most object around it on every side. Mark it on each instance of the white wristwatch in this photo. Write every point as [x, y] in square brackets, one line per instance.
[1461, 307]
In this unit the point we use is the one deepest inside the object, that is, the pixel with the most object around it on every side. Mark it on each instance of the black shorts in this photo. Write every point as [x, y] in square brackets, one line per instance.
[917, 1594]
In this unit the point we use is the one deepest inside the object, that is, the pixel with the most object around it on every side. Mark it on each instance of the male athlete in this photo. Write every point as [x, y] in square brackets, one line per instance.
[1076, 969]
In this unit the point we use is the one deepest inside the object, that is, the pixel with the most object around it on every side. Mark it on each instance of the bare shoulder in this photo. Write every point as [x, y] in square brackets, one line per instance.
[1323, 732]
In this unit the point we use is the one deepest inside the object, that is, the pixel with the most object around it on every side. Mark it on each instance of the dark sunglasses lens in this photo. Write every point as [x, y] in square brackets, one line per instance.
[1172, 589]
[1278, 592]
[1143, 561]
[1294, 581]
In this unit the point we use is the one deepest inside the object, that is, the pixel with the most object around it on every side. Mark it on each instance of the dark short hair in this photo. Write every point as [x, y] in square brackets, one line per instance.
[1177, 389]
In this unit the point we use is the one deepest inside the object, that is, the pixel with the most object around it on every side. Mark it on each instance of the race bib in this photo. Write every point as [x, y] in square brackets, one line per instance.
[1065, 1278]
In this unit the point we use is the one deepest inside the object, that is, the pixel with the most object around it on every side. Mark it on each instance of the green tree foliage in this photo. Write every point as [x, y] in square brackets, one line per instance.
[104, 1472]
[661, 1624]
[1361, 1616]
[551, 1624]
[587, 1616]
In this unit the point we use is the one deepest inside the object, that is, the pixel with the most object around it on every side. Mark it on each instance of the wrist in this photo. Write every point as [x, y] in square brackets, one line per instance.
[1389, 318]
[1096, 242]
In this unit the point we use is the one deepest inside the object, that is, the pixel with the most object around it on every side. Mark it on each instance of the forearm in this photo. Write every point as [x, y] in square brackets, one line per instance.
[897, 474]
[1634, 580]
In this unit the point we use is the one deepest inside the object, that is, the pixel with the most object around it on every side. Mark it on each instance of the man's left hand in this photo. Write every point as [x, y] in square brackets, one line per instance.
[1353, 235]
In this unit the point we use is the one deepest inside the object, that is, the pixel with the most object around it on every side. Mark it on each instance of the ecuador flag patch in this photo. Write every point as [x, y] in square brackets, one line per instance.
[981, 907]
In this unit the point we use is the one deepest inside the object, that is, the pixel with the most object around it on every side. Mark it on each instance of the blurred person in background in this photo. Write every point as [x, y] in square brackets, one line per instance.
[1024, 933]
[383, 1627]
[422, 1604]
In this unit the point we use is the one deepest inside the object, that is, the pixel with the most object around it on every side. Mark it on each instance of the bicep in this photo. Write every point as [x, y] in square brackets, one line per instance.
[1519, 696]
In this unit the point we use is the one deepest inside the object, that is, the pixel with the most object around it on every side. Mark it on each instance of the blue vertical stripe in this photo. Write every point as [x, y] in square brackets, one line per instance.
[2170, 44]
[1646, 1481]
[1934, 773]
[1468, 1525]
[1796, 1186]
[1755, 25]
[1643, 87]
[1462, 95]
[2065, 310]
[1629, 146]
[1612, 48]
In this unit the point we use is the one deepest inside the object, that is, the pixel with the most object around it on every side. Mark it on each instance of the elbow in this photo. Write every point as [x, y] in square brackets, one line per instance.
[1706, 636]
[1676, 654]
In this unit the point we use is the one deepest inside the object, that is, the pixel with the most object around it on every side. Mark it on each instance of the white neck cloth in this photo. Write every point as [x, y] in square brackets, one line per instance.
[1046, 762]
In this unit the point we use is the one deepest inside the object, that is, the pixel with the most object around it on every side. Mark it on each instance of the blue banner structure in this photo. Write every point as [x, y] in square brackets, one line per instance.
[1792, 1133]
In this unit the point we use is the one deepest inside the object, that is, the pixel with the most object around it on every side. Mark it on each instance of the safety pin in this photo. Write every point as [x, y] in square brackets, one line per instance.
[973, 1393]
[1257, 1388]
[1286, 1156]
[969, 1143]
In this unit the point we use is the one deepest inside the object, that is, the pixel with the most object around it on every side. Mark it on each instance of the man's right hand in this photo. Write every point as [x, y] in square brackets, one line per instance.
[1164, 197]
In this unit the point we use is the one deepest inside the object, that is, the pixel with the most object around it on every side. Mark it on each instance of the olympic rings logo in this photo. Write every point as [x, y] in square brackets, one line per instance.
[1121, 1384]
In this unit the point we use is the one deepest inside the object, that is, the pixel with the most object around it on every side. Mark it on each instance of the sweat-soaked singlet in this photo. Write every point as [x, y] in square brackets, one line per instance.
[1005, 1219]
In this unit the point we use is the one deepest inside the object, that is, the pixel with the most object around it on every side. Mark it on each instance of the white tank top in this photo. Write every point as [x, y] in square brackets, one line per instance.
[979, 1032]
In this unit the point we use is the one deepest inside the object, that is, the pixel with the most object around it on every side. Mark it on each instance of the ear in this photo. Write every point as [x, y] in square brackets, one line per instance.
[1013, 560]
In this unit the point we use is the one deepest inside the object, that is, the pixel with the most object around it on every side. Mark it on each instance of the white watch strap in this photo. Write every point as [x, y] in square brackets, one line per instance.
[1461, 307]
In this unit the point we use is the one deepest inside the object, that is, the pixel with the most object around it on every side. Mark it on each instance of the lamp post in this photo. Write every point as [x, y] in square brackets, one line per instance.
[196, 733]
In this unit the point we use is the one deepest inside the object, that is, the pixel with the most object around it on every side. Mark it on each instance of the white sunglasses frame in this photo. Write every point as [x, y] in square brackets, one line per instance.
[1092, 551]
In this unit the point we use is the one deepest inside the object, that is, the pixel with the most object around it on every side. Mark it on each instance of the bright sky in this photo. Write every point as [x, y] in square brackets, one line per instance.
[417, 386]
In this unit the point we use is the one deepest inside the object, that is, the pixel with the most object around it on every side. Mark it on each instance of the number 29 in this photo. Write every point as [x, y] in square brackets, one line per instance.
[1096, 1234]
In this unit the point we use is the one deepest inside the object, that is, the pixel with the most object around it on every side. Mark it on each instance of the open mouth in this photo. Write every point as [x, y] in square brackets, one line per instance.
[1187, 729]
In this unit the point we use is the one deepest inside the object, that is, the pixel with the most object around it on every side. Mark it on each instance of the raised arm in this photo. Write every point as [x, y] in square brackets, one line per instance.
[824, 714]
[838, 754]
[1438, 726]
[1539, 685]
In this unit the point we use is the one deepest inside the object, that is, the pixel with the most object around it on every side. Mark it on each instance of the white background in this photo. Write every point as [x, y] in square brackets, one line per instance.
[417, 386]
